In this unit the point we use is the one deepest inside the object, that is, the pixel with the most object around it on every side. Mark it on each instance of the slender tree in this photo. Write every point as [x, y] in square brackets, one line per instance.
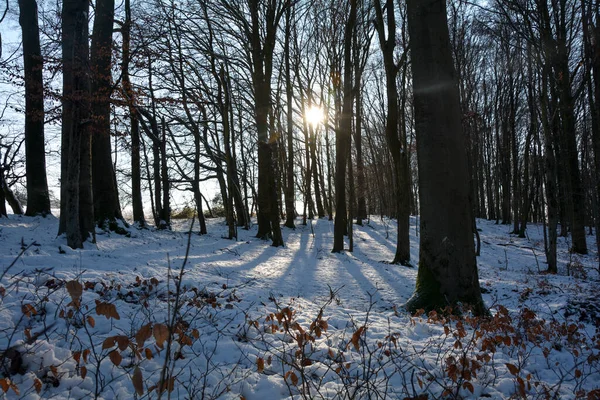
[343, 135]
[387, 44]
[136, 176]
[289, 91]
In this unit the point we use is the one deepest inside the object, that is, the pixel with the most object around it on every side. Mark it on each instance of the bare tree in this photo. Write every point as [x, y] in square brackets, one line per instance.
[397, 145]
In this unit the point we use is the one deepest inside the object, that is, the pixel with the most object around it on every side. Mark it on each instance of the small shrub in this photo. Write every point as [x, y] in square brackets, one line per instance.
[217, 212]
[186, 212]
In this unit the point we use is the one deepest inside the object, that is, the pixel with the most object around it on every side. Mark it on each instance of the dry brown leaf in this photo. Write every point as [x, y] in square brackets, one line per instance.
[107, 309]
[28, 310]
[122, 342]
[77, 356]
[115, 357]
[109, 342]
[138, 382]
[37, 385]
[469, 387]
[292, 377]
[355, 340]
[5, 384]
[148, 354]
[75, 289]
[83, 372]
[143, 334]
[86, 353]
[91, 321]
[161, 334]
[513, 369]
[260, 364]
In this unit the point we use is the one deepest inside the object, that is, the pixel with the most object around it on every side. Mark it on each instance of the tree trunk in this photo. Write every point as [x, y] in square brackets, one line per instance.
[593, 55]
[361, 204]
[447, 265]
[392, 129]
[551, 173]
[290, 214]
[3, 212]
[343, 135]
[230, 167]
[165, 217]
[107, 209]
[75, 123]
[315, 171]
[136, 175]
[10, 198]
[262, 68]
[38, 198]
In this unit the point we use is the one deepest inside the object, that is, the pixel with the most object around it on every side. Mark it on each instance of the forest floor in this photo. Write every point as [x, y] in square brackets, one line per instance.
[125, 318]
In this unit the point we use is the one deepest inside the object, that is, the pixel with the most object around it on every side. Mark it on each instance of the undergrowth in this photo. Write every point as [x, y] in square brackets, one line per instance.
[155, 337]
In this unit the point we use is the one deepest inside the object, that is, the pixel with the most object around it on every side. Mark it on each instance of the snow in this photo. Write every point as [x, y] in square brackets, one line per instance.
[245, 308]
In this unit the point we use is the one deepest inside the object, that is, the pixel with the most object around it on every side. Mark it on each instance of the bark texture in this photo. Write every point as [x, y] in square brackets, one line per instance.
[38, 198]
[447, 265]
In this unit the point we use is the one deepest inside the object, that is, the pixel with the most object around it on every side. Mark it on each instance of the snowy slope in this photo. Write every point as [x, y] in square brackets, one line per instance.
[259, 322]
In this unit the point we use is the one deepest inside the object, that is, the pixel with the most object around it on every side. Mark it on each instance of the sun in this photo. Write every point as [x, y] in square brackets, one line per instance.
[314, 115]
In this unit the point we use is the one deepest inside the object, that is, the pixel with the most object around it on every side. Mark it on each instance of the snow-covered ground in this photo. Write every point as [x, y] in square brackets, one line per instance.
[256, 322]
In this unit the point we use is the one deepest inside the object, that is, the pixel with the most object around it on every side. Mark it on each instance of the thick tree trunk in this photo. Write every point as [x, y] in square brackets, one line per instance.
[75, 122]
[107, 209]
[262, 57]
[447, 265]
[38, 198]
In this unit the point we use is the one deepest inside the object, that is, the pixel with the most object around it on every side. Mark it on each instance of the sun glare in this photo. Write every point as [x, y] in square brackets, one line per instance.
[314, 115]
